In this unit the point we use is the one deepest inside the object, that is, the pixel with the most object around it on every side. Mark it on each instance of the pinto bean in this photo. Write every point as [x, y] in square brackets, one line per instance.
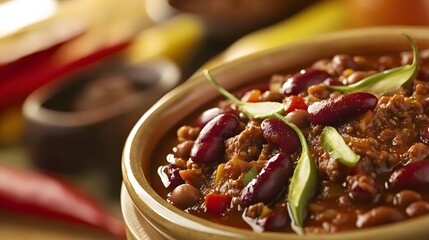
[405, 198]
[183, 149]
[378, 216]
[185, 133]
[298, 117]
[209, 145]
[184, 196]
[357, 76]
[417, 208]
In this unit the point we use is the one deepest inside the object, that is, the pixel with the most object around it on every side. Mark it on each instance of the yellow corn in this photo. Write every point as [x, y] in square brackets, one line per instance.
[219, 172]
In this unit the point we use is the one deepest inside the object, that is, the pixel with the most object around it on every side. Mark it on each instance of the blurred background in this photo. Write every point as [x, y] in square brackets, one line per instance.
[75, 76]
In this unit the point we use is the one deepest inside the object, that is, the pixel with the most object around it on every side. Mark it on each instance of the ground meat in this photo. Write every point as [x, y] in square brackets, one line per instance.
[388, 137]
[417, 152]
[247, 145]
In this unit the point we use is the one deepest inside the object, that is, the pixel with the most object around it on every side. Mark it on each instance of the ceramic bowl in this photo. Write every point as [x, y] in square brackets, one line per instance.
[146, 213]
[81, 123]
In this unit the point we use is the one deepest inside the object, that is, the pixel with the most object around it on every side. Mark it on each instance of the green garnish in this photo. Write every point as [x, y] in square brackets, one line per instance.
[252, 109]
[304, 178]
[387, 81]
[334, 144]
[303, 181]
[251, 174]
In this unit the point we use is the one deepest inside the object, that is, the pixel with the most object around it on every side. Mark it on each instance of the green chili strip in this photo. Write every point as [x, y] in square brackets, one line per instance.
[387, 81]
[303, 182]
[249, 176]
[254, 109]
[334, 144]
[304, 179]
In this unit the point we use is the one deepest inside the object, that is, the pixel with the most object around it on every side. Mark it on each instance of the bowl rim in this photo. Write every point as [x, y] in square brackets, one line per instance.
[168, 77]
[157, 211]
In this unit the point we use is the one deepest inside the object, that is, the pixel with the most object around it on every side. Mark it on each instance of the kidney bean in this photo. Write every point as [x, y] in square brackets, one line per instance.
[339, 109]
[280, 135]
[379, 216]
[170, 176]
[206, 116]
[304, 79]
[269, 183]
[174, 177]
[417, 208]
[405, 198]
[276, 219]
[209, 145]
[332, 82]
[363, 188]
[413, 176]
[184, 196]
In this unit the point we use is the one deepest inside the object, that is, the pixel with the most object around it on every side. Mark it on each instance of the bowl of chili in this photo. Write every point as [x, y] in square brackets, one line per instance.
[321, 139]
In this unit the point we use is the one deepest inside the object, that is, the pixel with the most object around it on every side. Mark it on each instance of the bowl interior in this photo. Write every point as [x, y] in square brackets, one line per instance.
[197, 91]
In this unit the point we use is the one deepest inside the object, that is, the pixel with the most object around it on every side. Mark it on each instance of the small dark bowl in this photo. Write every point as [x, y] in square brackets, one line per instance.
[81, 123]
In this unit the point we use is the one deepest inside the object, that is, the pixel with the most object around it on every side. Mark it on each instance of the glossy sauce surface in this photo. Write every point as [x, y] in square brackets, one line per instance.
[388, 137]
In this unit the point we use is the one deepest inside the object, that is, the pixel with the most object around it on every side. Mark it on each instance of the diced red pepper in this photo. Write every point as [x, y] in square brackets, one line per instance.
[293, 103]
[217, 203]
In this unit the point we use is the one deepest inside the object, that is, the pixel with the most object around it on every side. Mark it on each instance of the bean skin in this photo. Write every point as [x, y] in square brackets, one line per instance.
[206, 116]
[209, 146]
[405, 198]
[413, 176]
[184, 196]
[174, 177]
[280, 135]
[298, 117]
[269, 183]
[379, 216]
[275, 220]
[183, 149]
[304, 79]
[418, 208]
[336, 110]
[363, 188]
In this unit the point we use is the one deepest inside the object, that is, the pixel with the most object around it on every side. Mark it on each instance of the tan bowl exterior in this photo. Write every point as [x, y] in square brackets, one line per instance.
[172, 223]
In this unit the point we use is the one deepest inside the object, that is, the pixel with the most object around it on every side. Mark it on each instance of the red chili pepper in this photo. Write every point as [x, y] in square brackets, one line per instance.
[293, 103]
[42, 195]
[217, 203]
